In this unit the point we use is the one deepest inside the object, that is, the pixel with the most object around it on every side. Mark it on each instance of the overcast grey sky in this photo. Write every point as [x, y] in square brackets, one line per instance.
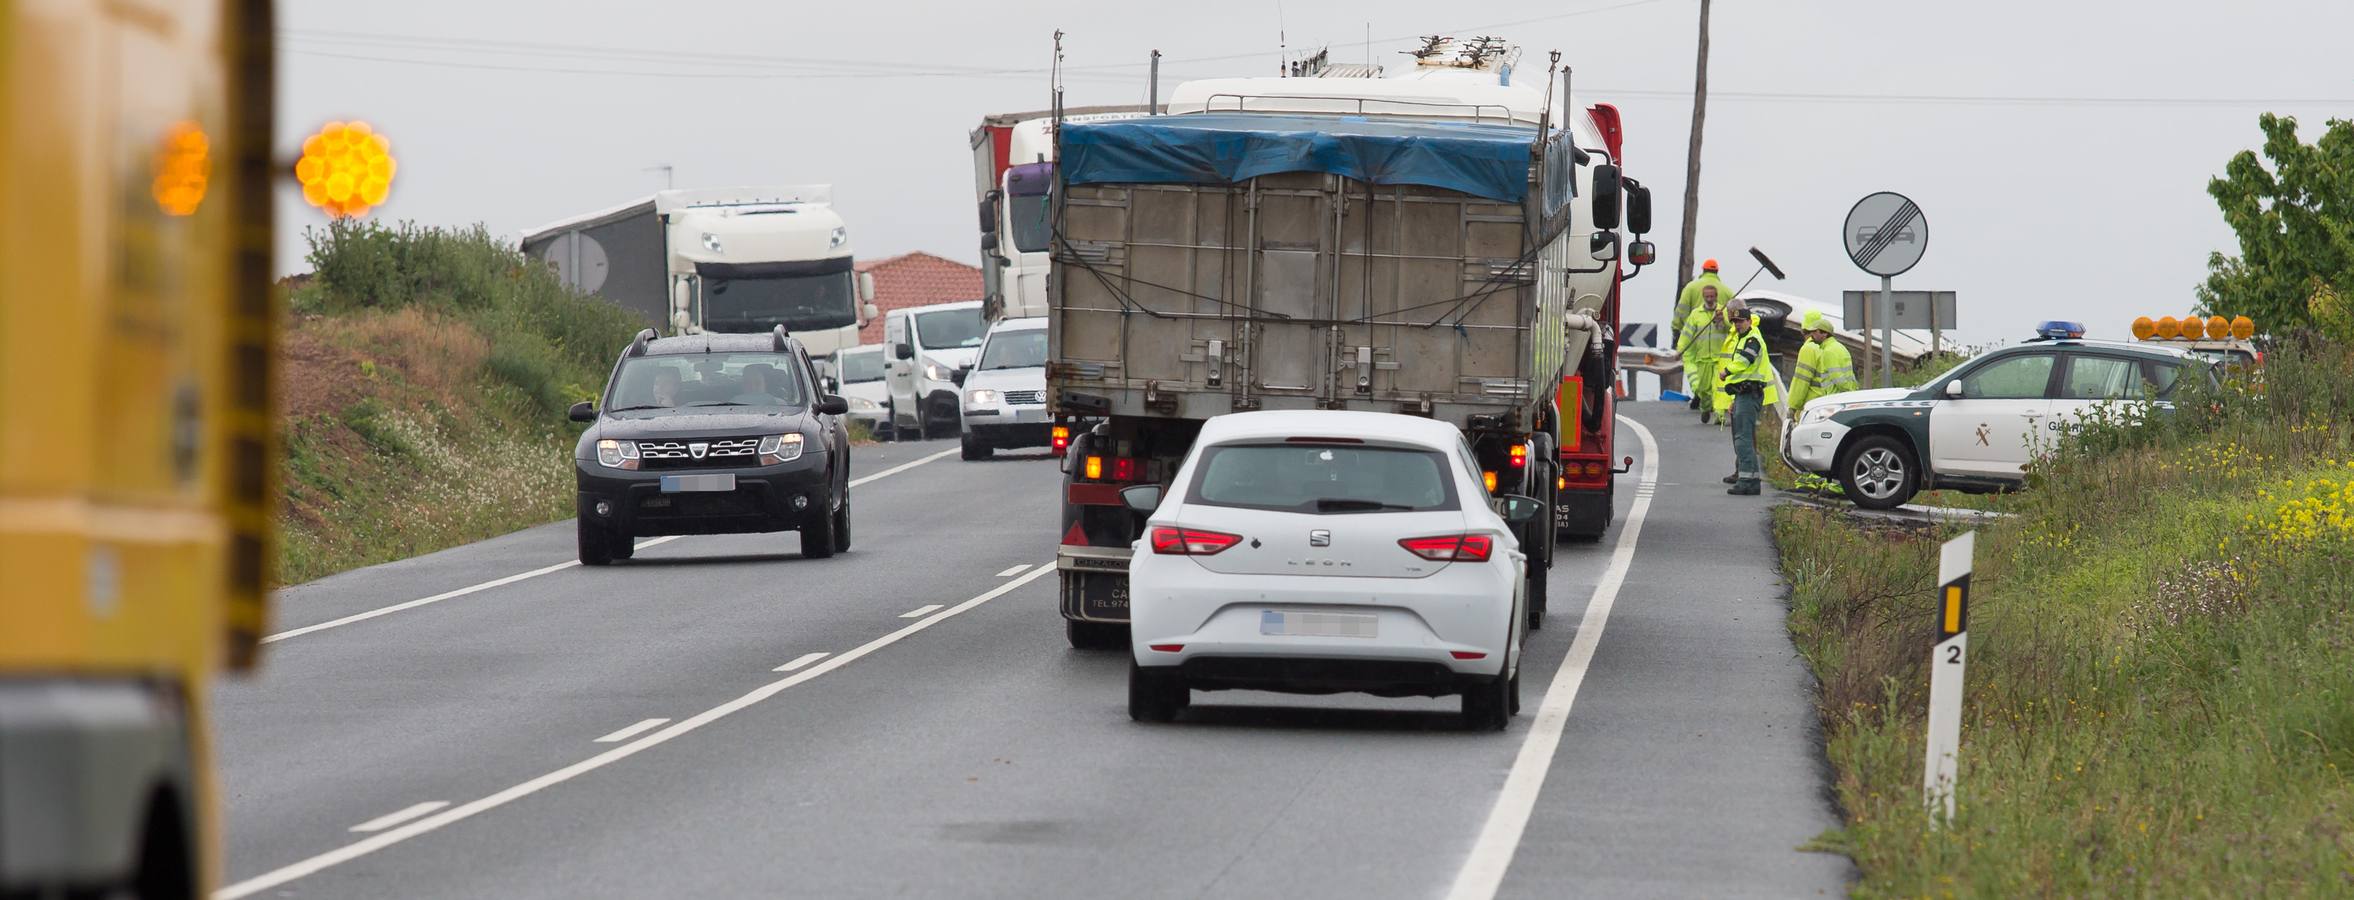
[2067, 180]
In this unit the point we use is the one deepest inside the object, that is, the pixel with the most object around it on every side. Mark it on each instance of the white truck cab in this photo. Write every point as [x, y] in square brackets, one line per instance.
[927, 346]
[752, 258]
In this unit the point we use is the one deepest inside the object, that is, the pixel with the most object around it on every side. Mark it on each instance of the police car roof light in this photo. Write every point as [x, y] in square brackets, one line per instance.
[2057, 330]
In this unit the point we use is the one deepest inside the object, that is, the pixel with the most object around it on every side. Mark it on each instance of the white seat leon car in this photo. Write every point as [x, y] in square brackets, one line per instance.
[1323, 552]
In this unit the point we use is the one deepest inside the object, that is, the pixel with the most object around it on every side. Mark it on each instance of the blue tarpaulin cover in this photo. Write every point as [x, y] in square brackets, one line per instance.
[1484, 159]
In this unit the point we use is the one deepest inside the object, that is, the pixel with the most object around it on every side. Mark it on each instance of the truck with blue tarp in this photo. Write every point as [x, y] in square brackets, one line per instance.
[1431, 243]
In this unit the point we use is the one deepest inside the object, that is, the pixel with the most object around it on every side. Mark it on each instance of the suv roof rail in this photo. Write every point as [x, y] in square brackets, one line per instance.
[637, 345]
[783, 338]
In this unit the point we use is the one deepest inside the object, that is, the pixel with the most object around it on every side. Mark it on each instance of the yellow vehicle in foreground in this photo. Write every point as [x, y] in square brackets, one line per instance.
[136, 350]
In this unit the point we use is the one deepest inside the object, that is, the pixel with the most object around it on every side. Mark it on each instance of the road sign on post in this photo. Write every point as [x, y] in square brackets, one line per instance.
[1885, 233]
[1946, 662]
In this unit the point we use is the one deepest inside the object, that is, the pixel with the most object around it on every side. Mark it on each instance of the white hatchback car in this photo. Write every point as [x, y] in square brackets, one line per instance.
[1325, 552]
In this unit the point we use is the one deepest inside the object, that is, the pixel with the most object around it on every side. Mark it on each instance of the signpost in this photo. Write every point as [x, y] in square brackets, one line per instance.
[1946, 661]
[1885, 233]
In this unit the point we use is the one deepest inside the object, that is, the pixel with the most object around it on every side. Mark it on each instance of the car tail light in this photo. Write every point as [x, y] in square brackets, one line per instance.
[1446, 547]
[1467, 654]
[1167, 648]
[1176, 540]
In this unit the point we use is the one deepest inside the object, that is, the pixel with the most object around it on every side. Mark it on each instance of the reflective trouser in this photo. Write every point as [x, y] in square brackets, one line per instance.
[1700, 379]
[1746, 470]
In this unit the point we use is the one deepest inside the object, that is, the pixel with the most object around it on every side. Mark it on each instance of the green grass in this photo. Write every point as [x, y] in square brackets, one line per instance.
[2161, 684]
[427, 376]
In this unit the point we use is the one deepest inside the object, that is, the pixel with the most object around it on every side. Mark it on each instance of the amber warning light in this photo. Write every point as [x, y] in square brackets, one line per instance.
[346, 169]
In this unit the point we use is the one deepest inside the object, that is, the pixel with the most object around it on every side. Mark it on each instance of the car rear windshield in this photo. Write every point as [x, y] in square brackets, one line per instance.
[1322, 478]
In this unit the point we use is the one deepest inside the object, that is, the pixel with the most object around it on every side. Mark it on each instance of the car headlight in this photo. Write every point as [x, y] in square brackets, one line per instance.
[614, 454]
[935, 371]
[779, 448]
[861, 404]
[1822, 412]
[980, 397]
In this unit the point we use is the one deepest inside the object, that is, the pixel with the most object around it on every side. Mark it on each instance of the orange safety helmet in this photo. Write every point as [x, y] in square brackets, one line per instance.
[1709, 266]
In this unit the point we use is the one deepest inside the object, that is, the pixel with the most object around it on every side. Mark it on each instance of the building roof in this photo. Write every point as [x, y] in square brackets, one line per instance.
[916, 279]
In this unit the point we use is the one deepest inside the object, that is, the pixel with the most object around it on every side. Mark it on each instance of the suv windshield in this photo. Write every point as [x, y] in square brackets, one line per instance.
[1322, 478]
[706, 379]
[949, 329]
[798, 302]
[1015, 350]
[861, 367]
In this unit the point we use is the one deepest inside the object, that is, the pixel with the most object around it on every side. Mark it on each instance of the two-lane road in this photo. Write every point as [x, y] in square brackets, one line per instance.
[721, 717]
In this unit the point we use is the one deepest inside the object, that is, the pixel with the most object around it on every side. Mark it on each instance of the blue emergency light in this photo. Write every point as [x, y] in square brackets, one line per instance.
[2058, 330]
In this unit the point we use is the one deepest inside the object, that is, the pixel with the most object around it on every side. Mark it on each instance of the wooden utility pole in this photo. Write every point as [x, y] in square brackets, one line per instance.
[1692, 159]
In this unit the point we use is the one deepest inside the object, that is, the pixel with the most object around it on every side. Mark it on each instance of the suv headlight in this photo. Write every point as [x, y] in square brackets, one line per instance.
[614, 454]
[980, 397]
[1823, 412]
[779, 448]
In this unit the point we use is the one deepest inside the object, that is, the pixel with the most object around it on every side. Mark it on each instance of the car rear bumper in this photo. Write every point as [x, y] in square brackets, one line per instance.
[1419, 625]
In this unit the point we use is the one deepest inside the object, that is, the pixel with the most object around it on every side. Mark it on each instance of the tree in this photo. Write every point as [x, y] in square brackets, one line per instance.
[2295, 223]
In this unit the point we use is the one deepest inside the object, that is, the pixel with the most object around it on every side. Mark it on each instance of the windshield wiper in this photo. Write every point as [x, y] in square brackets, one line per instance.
[637, 407]
[717, 403]
[1335, 504]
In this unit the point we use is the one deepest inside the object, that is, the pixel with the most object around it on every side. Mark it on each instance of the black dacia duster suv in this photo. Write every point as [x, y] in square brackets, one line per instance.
[712, 434]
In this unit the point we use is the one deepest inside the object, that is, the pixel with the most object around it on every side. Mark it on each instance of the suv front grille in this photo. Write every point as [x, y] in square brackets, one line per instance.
[1024, 398]
[716, 453]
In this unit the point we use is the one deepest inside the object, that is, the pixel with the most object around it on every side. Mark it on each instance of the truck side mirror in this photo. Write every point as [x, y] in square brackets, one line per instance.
[1607, 196]
[1638, 207]
[989, 212]
[1642, 253]
[989, 244]
[868, 313]
[866, 287]
[583, 411]
[1604, 246]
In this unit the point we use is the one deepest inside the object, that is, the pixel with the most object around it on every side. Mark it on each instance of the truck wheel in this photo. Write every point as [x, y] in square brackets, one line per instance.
[817, 538]
[167, 864]
[1095, 635]
[1157, 694]
[596, 543]
[1878, 472]
[974, 449]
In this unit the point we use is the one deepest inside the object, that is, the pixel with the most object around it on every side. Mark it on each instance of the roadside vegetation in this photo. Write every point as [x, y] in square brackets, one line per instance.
[2161, 684]
[427, 375]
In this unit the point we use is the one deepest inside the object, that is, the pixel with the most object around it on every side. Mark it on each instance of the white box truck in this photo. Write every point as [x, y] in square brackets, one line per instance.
[743, 259]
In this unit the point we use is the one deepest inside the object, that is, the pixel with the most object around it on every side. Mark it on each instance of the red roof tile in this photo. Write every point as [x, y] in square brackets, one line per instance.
[917, 279]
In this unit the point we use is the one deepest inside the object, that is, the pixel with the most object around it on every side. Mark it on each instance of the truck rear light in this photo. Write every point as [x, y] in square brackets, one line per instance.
[1062, 438]
[1124, 469]
[1519, 456]
[1451, 547]
[1094, 468]
[1177, 540]
[1489, 478]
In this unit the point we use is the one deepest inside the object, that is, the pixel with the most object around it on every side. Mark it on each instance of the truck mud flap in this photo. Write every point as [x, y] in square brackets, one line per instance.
[1095, 596]
[1581, 516]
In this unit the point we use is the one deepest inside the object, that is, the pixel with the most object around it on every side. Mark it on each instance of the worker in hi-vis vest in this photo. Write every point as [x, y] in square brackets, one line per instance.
[1749, 382]
[1689, 298]
[1698, 340]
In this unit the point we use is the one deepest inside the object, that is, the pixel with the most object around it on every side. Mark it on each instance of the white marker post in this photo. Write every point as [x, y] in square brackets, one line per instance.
[1945, 674]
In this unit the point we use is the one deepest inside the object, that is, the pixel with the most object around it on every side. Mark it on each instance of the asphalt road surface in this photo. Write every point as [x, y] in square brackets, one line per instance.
[720, 717]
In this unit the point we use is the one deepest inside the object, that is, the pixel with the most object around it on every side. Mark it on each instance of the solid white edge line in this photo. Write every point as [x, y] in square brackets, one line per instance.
[535, 573]
[802, 660]
[1491, 856]
[390, 819]
[1016, 570]
[631, 731]
[385, 839]
[902, 467]
[920, 611]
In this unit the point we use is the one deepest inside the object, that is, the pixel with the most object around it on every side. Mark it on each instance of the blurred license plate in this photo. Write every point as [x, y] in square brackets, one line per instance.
[682, 484]
[1315, 624]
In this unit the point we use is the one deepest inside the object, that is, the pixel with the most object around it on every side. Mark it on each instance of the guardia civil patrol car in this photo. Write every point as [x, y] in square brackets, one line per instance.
[1976, 428]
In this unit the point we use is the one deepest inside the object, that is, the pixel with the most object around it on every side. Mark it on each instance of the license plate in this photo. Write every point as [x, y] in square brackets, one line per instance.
[1317, 624]
[687, 484]
[1104, 596]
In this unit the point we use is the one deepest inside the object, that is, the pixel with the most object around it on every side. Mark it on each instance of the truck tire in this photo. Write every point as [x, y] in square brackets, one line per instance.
[167, 858]
[1538, 575]
[595, 543]
[1085, 635]
[817, 538]
[1879, 472]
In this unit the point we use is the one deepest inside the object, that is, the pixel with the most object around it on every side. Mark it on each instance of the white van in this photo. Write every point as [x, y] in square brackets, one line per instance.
[928, 345]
